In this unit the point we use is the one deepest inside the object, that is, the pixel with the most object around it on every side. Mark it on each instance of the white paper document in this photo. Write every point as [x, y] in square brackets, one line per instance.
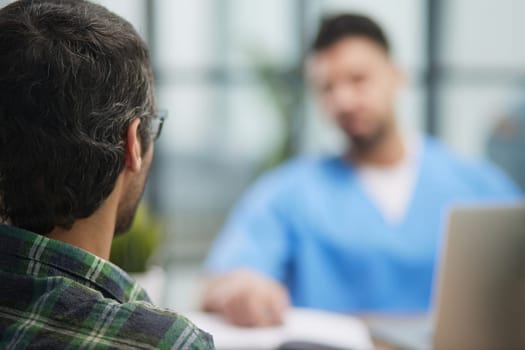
[303, 325]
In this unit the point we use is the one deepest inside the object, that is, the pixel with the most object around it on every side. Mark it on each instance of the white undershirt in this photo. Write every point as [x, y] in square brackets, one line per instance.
[391, 188]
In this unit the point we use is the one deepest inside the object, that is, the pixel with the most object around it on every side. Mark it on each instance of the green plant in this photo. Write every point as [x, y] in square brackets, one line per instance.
[133, 250]
[284, 88]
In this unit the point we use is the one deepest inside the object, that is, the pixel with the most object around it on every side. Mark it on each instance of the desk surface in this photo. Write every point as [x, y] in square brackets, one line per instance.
[306, 325]
[378, 320]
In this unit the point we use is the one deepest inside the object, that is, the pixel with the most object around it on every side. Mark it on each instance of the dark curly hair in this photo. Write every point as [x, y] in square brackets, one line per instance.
[72, 77]
[335, 28]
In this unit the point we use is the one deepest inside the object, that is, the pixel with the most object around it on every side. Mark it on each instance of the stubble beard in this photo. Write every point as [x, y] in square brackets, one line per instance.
[363, 144]
[128, 208]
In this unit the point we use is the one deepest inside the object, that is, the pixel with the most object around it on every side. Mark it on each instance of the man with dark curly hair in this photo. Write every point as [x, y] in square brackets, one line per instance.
[77, 125]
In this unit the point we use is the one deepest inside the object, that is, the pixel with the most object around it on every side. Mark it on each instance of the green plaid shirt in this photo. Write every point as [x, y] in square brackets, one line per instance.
[56, 296]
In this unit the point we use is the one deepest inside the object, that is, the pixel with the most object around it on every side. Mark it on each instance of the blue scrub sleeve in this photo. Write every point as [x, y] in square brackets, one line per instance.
[256, 235]
[495, 183]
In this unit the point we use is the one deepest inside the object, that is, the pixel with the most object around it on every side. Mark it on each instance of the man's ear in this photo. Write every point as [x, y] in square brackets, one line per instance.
[400, 76]
[133, 147]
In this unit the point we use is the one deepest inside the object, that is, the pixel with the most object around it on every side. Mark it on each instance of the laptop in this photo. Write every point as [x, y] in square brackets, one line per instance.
[479, 302]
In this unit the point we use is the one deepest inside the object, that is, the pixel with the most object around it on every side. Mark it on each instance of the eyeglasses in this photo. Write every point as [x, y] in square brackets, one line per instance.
[156, 124]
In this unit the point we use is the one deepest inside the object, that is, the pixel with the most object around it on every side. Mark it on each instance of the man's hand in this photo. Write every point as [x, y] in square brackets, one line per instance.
[246, 298]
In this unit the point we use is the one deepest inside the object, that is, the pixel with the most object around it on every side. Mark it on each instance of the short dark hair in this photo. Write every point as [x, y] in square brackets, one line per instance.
[73, 75]
[336, 28]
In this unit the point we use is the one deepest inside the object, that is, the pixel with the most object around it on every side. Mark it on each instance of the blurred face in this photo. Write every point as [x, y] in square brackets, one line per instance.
[357, 85]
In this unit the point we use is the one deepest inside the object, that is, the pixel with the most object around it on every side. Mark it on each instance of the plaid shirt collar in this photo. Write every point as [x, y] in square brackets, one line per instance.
[76, 263]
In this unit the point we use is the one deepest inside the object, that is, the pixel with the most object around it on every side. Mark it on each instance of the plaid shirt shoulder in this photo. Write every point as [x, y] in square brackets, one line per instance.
[57, 296]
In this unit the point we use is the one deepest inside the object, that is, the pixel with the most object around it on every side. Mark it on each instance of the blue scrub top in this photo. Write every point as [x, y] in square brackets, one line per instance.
[310, 225]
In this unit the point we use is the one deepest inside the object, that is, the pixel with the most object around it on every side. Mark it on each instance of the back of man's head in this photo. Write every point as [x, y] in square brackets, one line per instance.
[338, 27]
[72, 77]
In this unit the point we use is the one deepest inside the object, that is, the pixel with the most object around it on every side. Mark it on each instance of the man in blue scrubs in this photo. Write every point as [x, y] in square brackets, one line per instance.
[354, 233]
